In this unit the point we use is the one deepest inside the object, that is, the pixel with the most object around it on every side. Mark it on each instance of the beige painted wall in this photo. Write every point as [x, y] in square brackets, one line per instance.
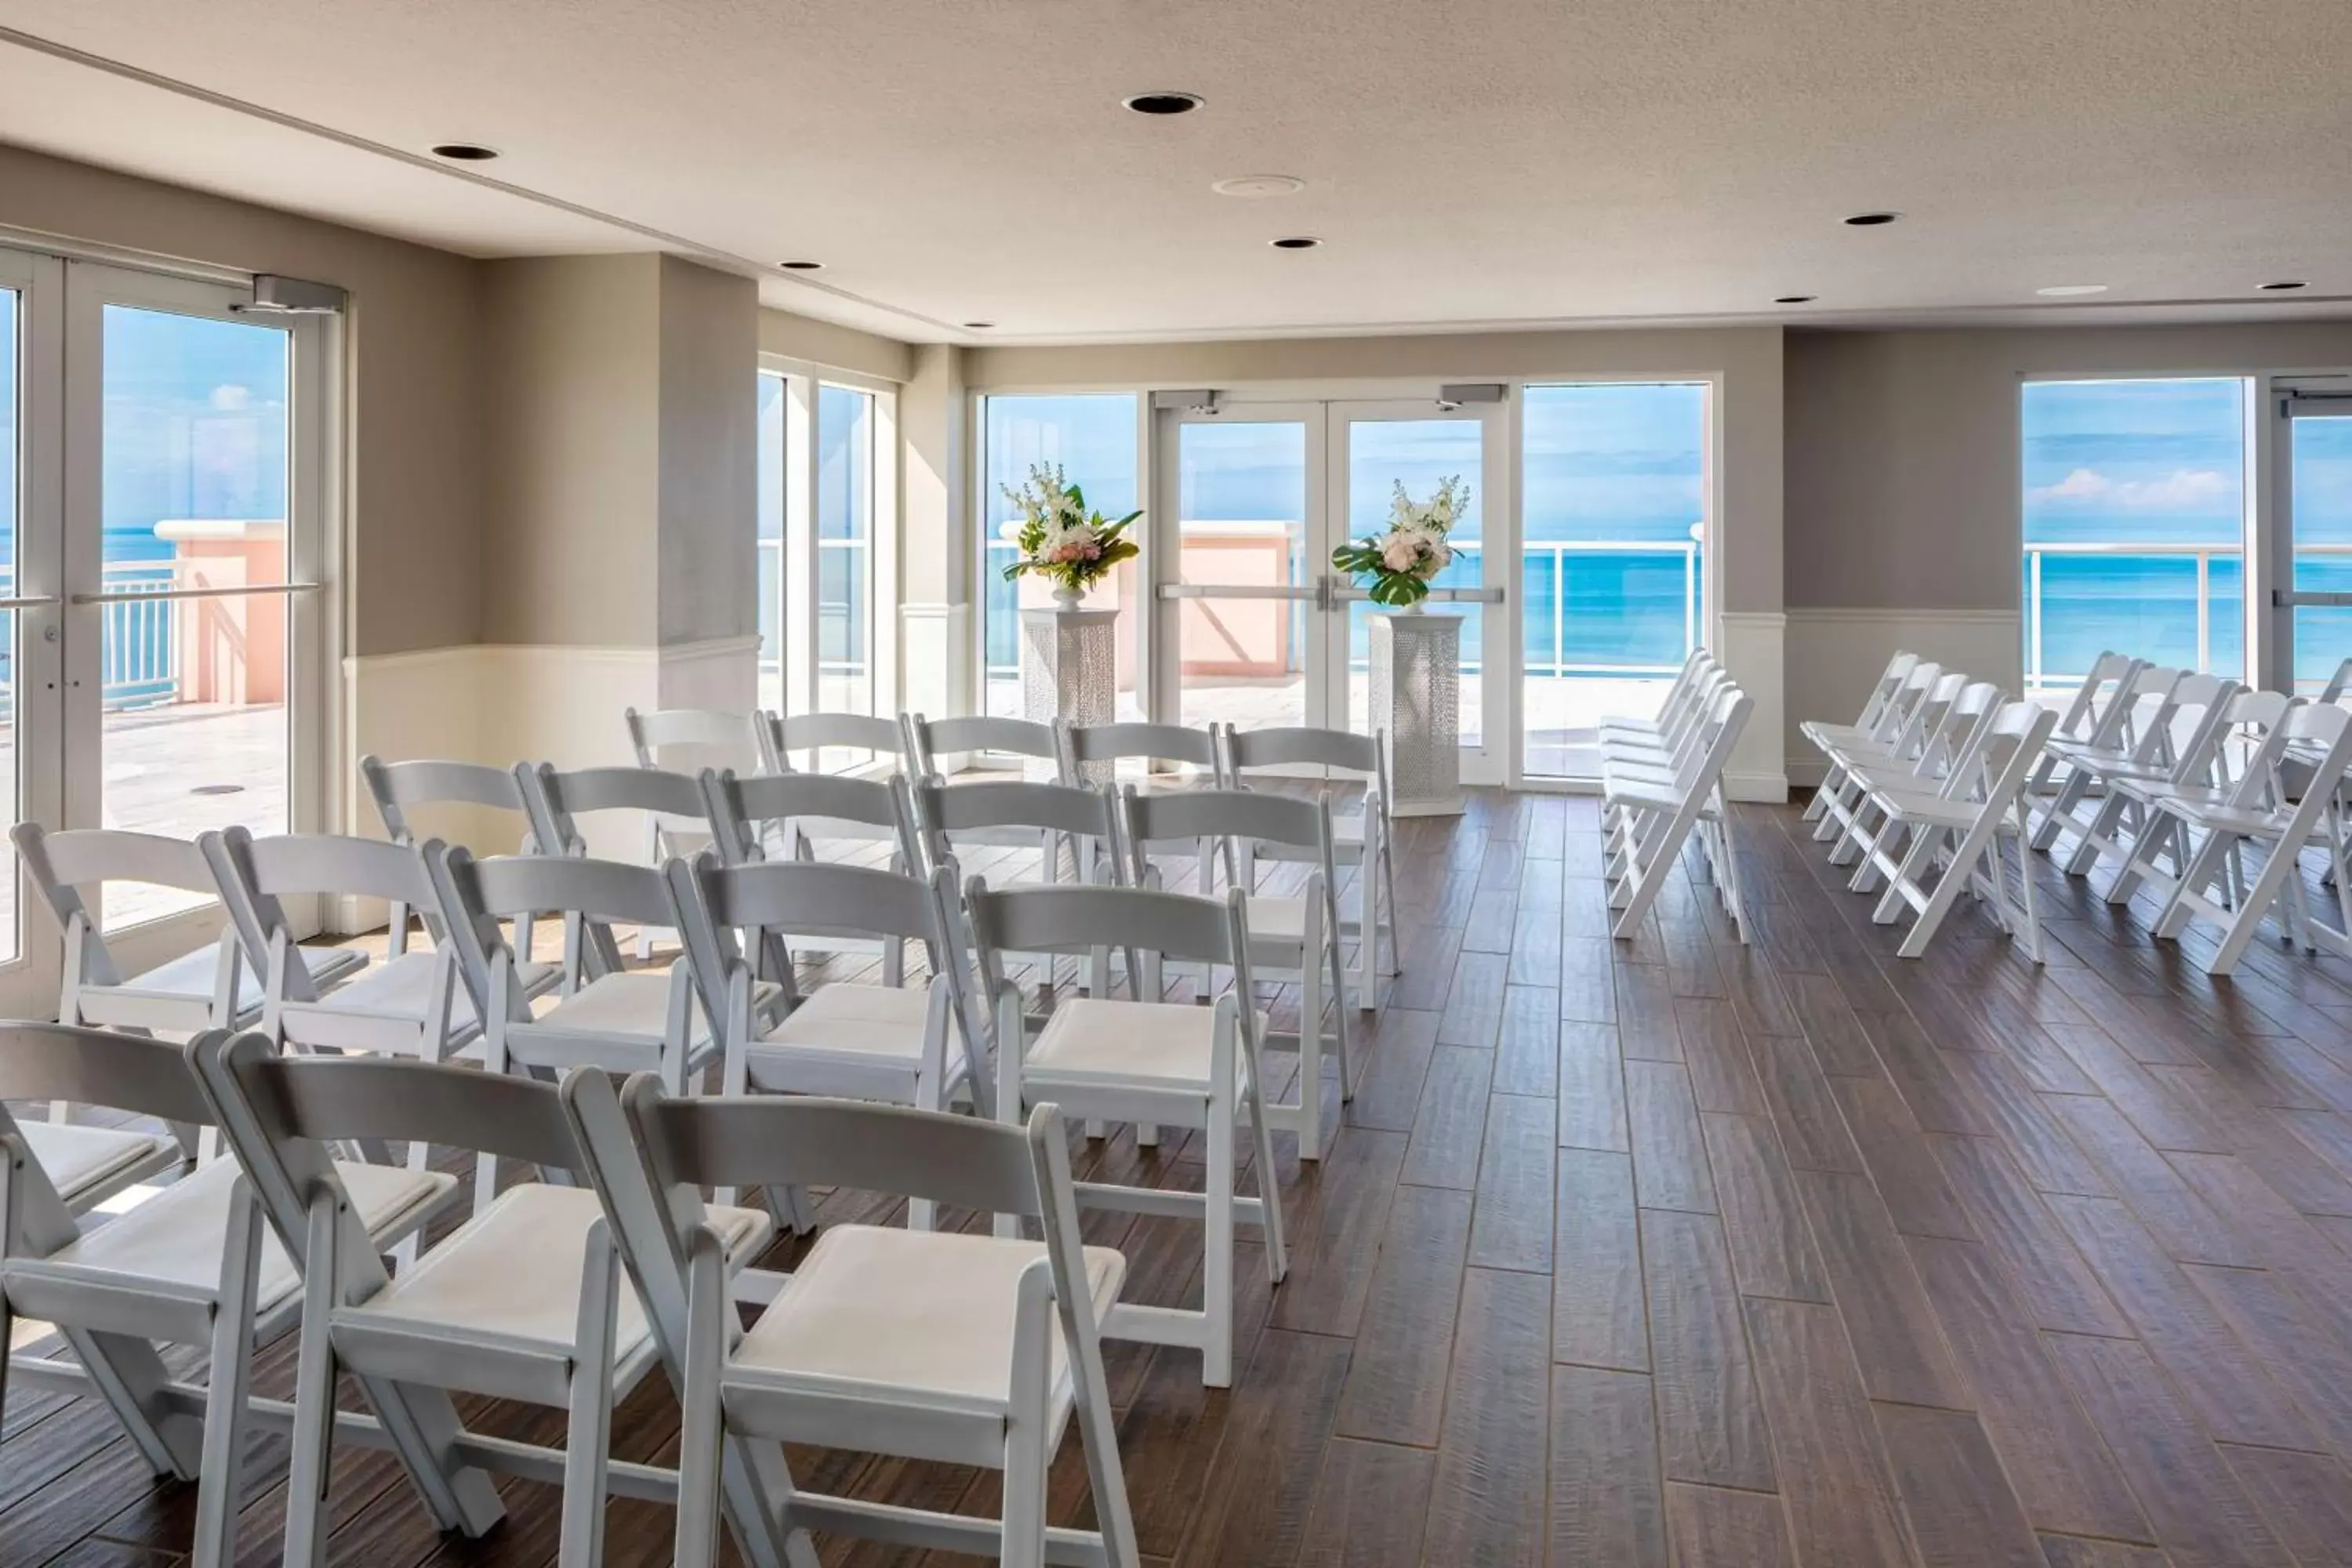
[571, 394]
[709, 423]
[413, 494]
[1748, 359]
[813, 342]
[1903, 455]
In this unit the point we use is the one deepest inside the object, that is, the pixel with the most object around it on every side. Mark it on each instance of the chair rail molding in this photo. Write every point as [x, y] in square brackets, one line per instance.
[1835, 651]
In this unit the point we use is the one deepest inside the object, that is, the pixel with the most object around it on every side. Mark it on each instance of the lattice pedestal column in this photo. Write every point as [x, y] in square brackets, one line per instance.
[1069, 669]
[1416, 697]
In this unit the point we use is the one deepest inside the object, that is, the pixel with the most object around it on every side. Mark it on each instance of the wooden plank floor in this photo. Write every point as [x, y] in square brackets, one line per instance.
[1670, 1251]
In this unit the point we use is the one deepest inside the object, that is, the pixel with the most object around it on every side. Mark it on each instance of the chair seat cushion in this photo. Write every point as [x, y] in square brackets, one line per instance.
[634, 1004]
[929, 1312]
[865, 1022]
[401, 988]
[1141, 1045]
[178, 1236]
[80, 1160]
[509, 1276]
[191, 976]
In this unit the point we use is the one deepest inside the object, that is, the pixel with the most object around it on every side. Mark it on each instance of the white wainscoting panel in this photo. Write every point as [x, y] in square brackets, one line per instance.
[1751, 649]
[1834, 655]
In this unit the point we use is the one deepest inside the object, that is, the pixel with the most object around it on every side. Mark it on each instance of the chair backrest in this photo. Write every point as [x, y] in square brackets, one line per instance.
[281, 1114]
[929, 739]
[254, 875]
[2247, 744]
[785, 898]
[119, 1071]
[559, 798]
[1915, 686]
[590, 895]
[1970, 712]
[2012, 745]
[2337, 683]
[1085, 744]
[1927, 716]
[399, 787]
[1064, 918]
[1890, 682]
[2185, 739]
[783, 736]
[1301, 745]
[62, 865]
[2318, 736]
[738, 808]
[943, 810]
[2088, 709]
[696, 738]
[1295, 821]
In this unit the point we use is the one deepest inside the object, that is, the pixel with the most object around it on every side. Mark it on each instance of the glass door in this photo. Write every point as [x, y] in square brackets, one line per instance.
[30, 632]
[2314, 619]
[1241, 574]
[1377, 448]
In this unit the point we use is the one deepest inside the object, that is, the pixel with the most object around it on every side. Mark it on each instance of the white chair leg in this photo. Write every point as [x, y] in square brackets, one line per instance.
[1217, 1262]
[1310, 1051]
[589, 1432]
[701, 1436]
[2266, 886]
[314, 1398]
[1025, 1487]
[228, 1379]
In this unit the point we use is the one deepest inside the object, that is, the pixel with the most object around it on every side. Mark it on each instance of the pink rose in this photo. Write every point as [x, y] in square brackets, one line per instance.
[1399, 553]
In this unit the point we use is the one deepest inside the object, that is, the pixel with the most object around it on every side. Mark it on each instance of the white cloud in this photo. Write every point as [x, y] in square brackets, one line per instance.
[2181, 487]
[229, 396]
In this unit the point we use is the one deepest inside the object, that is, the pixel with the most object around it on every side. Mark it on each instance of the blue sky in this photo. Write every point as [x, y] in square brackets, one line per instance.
[2135, 460]
[194, 420]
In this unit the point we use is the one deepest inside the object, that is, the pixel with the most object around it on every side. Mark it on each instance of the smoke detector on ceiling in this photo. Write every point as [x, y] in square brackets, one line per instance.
[1253, 187]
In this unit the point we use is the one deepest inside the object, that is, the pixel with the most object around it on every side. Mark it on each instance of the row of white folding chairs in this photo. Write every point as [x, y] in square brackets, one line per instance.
[1921, 792]
[566, 1292]
[2156, 765]
[1077, 755]
[1662, 785]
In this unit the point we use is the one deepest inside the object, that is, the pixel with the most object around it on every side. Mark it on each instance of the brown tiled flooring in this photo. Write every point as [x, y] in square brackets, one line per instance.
[1673, 1251]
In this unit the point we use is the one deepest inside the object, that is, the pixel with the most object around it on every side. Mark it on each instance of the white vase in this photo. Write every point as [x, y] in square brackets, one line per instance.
[1068, 598]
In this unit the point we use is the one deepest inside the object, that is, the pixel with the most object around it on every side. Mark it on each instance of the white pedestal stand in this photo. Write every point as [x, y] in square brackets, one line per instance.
[1416, 697]
[1069, 669]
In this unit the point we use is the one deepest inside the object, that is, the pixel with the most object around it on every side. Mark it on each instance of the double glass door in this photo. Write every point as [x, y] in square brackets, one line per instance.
[2312, 619]
[1254, 627]
[162, 640]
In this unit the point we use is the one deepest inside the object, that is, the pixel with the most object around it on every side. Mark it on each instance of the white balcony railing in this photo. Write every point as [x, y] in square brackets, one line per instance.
[138, 656]
[2046, 627]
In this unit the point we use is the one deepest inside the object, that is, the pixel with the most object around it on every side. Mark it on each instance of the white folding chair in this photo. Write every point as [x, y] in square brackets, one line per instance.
[1292, 936]
[2285, 818]
[1948, 748]
[802, 810]
[673, 817]
[524, 1301]
[623, 1020]
[992, 1342]
[2174, 754]
[401, 788]
[2238, 768]
[2086, 713]
[193, 1265]
[920, 1048]
[1649, 814]
[1960, 826]
[1047, 817]
[928, 740]
[2136, 719]
[1914, 720]
[1821, 734]
[688, 740]
[413, 1004]
[1694, 663]
[1363, 839]
[1165, 1064]
[808, 736]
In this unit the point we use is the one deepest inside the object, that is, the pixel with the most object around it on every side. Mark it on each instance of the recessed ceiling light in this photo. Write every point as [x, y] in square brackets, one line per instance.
[1164, 102]
[465, 151]
[1259, 186]
[802, 266]
[2283, 287]
[977, 326]
[2071, 291]
[1794, 299]
[1295, 242]
[1871, 220]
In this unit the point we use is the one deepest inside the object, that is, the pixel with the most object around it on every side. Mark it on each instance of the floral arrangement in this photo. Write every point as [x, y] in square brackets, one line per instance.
[1402, 562]
[1059, 539]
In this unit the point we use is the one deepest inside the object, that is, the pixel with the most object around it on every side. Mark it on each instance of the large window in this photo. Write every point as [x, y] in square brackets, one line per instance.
[823, 505]
[2134, 514]
[1612, 556]
[1092, 438]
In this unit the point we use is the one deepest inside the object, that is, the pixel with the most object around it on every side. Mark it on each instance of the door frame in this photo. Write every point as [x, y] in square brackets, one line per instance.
[61, 561]
[2274, 600]
[1326, 419]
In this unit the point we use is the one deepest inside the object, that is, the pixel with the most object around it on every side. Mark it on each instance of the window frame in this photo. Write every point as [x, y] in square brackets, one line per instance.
[797, 663]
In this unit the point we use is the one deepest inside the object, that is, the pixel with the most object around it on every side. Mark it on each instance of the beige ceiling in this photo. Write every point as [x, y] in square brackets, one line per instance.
[1484, 162]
